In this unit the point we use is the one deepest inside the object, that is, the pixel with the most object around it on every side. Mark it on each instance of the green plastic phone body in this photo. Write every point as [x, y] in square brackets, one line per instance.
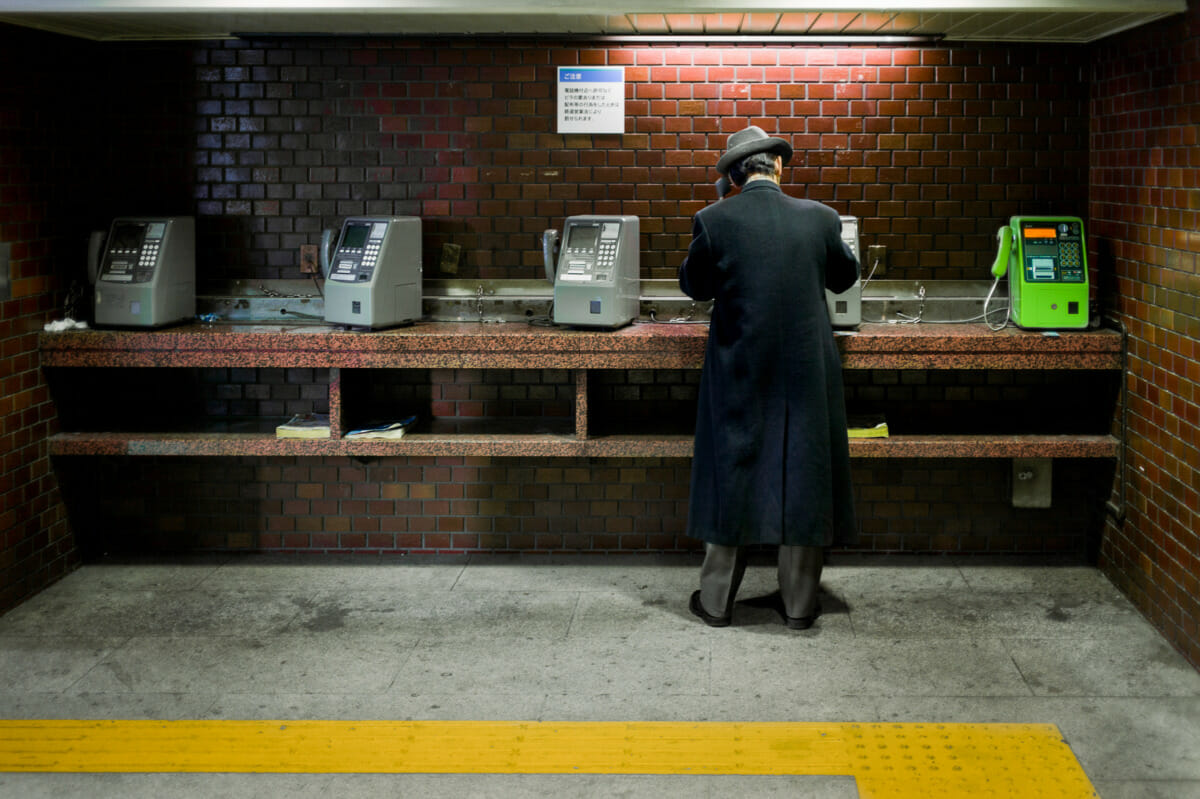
[1045, 258]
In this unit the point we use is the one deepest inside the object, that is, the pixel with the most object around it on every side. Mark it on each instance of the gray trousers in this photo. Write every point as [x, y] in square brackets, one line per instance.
[799, 578]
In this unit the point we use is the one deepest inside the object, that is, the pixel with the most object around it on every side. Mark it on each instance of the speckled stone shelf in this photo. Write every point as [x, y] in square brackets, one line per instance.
[974, 346]
[526, 445]
[449, 345]
[458, 345]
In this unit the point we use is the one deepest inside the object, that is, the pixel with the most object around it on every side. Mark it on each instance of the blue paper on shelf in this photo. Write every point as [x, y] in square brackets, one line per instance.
[386, 430]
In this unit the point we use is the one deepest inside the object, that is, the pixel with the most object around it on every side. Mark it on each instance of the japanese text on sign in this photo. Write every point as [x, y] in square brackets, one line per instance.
[591, 99]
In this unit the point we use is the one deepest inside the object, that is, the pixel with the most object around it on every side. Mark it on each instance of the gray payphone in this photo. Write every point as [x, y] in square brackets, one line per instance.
[596, 270]
[845, 309]
[144, 271]
[373, 271]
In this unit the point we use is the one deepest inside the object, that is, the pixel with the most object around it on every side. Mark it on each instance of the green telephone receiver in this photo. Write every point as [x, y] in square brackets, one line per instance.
[1004, 238]
[1048, 284]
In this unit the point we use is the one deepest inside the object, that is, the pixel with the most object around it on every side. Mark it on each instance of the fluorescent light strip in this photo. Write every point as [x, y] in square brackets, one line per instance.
[770, 39]
[613, 39]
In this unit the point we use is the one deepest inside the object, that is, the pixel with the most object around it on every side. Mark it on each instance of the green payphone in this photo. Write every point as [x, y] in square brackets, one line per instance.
[1048, 282]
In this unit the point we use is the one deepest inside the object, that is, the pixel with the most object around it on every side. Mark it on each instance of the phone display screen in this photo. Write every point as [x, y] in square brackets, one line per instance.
[127, 236]
[355, 236]
[582, 237]
[1040, 234]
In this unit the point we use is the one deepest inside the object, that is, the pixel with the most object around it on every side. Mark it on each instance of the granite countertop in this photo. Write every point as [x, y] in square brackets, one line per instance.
[516, 345]
[520, 345]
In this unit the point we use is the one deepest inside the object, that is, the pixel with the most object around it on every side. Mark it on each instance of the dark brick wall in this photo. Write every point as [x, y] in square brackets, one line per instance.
[39, 153]
[447, 505]
[1145, 209]
[535, 505]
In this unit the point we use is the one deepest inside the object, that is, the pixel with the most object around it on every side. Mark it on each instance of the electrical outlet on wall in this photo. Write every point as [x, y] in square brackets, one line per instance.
[308, 259]
[450, 255]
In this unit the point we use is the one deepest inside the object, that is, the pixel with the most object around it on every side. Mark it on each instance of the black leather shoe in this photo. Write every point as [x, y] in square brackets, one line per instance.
[774, 601]
[802, 622]
[712, 621]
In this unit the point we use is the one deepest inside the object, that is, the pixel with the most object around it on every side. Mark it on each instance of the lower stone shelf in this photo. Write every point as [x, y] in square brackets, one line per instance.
[986, 446]
[503, 445]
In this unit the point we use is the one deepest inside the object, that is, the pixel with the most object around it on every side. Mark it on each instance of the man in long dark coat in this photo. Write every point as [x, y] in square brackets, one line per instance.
[772, 461]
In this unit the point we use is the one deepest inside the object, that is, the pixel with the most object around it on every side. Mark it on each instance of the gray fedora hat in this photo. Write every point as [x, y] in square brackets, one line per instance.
[749, 141]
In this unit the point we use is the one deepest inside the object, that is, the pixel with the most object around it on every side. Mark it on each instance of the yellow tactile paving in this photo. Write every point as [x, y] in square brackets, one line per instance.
[1028, 761]
[887, 760]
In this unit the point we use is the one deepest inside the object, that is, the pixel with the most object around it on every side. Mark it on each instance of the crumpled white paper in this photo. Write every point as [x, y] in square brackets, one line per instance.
[60, 325]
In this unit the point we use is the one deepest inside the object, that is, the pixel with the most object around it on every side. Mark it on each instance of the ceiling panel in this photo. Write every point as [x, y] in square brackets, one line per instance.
[722, 24]
[833, 23]
[686, 24]
[874, 22]
[797, 23]
[760, 23]
[999, 20]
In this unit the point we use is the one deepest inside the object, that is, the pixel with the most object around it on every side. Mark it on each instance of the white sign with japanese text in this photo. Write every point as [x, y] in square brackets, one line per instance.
[591, 99]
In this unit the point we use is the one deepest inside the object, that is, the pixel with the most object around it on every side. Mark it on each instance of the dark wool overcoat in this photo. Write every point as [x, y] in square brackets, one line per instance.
[772, 461]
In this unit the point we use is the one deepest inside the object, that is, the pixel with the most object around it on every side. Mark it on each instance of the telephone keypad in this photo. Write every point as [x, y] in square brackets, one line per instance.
[1070, 261]
[607, 255]
[372, 254]
[132, 264]
[358, 263]
[149, 254]
[1070, 253]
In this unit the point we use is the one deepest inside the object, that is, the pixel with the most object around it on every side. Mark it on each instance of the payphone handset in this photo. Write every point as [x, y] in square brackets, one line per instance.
[144, 271]
[1045, 258]
[1004, 239]
[372, 271]
[595, 271]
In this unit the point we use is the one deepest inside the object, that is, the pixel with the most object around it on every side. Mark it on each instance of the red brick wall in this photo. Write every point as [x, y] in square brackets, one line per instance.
[932, 147]
[1145, 209]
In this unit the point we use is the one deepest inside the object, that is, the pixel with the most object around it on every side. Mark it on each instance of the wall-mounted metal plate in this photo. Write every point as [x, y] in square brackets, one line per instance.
[1031, 482]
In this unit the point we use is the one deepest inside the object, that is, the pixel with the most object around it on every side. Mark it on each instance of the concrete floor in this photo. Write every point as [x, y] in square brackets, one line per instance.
[594, 639]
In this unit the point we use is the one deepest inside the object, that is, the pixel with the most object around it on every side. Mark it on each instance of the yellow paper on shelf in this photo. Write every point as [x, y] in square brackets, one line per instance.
[868, 427]
[304, 425]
